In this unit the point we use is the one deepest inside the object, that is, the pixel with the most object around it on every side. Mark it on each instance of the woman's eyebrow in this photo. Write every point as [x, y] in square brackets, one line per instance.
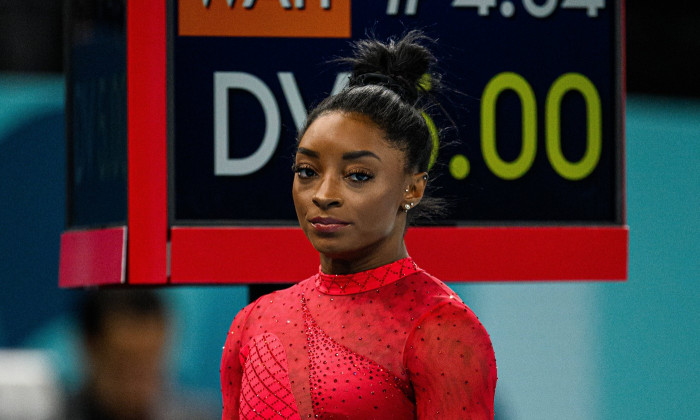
[359, 154]
[307, 152]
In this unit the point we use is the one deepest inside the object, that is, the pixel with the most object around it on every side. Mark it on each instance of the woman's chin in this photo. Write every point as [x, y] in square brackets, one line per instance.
[331, 250]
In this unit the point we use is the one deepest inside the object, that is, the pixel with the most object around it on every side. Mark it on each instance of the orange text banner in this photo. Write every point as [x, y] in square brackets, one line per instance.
[265, 18]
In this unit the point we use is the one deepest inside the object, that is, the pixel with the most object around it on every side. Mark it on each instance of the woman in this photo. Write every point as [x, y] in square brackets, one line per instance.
[371, 335]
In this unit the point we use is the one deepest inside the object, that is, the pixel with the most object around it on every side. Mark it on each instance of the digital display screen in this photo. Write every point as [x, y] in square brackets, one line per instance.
[533, 94]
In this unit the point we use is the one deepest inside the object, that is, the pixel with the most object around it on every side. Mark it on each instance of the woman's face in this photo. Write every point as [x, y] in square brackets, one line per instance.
[350, 188]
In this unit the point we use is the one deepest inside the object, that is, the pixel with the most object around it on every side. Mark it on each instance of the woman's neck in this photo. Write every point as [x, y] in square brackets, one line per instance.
[362, 261]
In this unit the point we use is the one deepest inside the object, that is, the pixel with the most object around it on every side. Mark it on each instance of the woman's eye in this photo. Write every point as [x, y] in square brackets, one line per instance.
[304, 172]
[359, 176]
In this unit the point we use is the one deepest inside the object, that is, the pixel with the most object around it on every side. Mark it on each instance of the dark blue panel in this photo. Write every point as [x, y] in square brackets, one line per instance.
[96, 114]
[472, 50]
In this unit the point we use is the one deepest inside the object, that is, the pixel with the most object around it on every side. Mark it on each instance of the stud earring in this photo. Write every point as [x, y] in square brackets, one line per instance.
[406, 207]
[406, 189]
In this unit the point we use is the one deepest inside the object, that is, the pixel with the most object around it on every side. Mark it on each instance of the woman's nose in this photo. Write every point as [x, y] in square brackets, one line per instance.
[327, 194]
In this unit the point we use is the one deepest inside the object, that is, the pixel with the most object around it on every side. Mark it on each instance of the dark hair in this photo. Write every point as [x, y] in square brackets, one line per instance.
[98, 305]
[390, 84]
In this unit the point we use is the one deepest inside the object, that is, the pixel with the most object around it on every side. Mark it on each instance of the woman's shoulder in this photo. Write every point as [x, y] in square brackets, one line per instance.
[271, 302]
[433, 303]
[430, 290]
[442, 312]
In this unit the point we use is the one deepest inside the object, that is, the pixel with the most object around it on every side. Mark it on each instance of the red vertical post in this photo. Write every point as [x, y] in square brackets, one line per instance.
[147, 132]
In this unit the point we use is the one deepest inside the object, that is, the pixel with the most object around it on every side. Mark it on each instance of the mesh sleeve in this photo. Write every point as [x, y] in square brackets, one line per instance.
[231, 367]
[451, 364]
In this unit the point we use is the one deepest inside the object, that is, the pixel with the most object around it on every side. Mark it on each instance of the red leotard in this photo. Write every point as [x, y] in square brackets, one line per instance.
[388, 343]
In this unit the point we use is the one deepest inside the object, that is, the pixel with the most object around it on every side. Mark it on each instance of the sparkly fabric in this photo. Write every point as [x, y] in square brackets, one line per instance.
[266, 391]
[338, 372]
[388, 343]
[345, 284]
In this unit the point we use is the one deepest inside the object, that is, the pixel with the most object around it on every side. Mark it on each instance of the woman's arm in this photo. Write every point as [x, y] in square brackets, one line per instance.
[451, 364]
[231, 365]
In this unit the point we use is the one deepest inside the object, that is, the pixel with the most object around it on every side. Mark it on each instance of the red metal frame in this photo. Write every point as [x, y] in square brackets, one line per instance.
[147, 136]
[93, 257]
[90, 257]
[283, 255]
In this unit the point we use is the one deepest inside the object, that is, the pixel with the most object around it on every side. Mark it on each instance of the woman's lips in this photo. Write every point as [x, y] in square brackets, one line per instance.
[327, 224]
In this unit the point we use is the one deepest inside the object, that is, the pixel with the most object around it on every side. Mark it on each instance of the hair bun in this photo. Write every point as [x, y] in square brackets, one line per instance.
[398, 65]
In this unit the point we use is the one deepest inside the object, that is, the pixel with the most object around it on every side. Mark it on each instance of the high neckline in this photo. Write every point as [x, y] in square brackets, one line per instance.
[347, 284]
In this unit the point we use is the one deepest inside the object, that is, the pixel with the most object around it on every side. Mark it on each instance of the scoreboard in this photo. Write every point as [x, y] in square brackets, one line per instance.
[531, 160]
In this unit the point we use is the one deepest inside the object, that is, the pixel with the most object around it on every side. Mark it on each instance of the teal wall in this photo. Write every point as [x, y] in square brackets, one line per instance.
[565, 350]
[650, 335]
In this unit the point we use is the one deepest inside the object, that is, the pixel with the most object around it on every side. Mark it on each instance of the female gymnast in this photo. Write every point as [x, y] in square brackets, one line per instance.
[371, 335]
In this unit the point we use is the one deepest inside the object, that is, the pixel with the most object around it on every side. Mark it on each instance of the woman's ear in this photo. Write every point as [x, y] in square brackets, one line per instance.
[414, 191]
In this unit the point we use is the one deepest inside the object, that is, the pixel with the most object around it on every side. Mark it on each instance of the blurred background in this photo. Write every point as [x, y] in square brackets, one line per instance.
[565, 350]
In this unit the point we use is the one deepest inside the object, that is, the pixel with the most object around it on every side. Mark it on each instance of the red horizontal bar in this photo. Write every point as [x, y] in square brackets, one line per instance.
[92, 257]
[272, 255]
[521, 253]
[240, 255]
